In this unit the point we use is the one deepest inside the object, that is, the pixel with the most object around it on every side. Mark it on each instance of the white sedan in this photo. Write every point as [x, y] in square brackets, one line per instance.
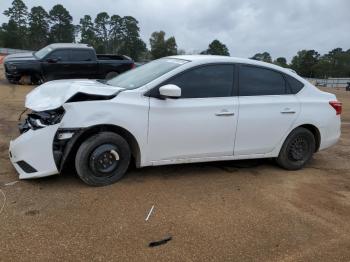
[179, 109]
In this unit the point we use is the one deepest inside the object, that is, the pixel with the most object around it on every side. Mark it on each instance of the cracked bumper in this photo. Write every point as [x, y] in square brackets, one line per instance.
[34, 149]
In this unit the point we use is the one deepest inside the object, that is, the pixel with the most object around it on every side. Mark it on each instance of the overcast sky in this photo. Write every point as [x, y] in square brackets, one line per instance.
[280, 27]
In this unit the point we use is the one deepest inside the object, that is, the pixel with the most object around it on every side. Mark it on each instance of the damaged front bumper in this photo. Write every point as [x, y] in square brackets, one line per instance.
[31, 153]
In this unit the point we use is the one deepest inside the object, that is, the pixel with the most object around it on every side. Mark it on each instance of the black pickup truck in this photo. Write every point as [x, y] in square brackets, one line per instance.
[64, 61]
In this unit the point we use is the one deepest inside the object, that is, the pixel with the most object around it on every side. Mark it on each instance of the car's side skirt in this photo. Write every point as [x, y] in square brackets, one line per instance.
[206, 159]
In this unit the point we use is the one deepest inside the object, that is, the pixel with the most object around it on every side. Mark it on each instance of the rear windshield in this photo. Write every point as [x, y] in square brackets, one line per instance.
[143, 75]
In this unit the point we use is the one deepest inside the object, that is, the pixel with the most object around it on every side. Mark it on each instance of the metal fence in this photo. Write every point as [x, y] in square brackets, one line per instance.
[330, 82]
[9, 51]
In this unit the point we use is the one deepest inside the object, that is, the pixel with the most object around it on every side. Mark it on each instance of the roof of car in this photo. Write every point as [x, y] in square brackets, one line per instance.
[230, 59]
[69, 45]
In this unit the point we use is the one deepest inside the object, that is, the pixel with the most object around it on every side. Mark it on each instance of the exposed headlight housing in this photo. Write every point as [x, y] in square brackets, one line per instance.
[37, 120]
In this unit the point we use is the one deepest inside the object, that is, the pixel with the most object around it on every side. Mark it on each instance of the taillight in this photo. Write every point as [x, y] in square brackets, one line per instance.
[337, 106]
[133, 66]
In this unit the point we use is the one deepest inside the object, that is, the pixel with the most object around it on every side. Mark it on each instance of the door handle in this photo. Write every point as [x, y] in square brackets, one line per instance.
[225, 113]
[287, 111]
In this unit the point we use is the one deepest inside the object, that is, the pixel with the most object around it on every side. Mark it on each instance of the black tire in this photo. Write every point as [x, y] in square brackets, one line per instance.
[111, 75]
[297, 150]
[37, 79]
[25, 80]
[102, 147]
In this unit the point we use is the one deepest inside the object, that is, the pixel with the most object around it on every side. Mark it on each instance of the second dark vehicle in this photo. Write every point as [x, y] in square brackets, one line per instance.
[64, 61]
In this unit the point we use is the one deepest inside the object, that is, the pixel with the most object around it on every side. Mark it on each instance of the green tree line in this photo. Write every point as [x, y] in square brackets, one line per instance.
[36, 28]
[309, 63]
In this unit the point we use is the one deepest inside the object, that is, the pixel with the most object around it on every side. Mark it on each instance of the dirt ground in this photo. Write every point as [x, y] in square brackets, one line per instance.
[212, 211]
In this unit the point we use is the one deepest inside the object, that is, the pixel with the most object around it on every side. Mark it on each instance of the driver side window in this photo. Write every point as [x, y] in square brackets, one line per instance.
[206, 81]
[61, 55]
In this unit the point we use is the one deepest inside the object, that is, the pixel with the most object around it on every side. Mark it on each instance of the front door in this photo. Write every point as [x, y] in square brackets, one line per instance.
[57, 65]
[199, 124]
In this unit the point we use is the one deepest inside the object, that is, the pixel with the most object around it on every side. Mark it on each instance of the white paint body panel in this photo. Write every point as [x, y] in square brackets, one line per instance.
[263, 122]
[128, 110]
[191, 128]
[35, 147]
[315, 110]
[173, 131]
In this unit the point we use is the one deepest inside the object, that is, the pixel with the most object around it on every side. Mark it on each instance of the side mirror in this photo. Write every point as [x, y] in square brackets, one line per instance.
[171, 91]
[52, 60]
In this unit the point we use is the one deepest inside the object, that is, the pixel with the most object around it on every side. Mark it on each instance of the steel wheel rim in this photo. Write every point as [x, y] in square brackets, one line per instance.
[298, 149]
[104, 160]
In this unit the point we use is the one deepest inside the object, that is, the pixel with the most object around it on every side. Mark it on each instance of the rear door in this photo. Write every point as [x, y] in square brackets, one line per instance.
[83, 63]
[267, 110]
[199, 124]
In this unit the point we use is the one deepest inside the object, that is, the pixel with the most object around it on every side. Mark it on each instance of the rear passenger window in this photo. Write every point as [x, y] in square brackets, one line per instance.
[81, 55]
[257, 81]
[294, 85]
[206, 81]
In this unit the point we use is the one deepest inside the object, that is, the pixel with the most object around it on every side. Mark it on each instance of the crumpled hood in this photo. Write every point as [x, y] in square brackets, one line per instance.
[54, 94]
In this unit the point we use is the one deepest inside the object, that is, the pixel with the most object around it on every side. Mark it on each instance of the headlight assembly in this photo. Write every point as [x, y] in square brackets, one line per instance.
[11, 66]
[37, 120]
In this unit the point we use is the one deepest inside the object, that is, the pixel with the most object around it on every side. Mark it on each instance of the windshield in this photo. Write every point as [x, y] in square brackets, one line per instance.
[43, 52]
[142, 75]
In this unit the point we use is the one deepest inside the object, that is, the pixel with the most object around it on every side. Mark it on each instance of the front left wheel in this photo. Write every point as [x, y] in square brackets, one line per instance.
[103, 159]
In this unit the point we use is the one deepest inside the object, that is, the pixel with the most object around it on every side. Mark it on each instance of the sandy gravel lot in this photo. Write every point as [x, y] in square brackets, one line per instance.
[212, 211]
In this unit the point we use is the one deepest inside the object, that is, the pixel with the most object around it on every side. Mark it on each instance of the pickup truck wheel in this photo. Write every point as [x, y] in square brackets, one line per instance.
[111, 75]
[38, 79]
[25, 80]
[103, 159]
[297, 150]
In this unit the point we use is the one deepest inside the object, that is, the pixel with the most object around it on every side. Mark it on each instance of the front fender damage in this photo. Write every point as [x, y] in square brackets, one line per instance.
[63, 144]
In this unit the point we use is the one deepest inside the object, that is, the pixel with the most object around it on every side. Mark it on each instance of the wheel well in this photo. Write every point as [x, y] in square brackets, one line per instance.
[34, 76]
[314, 130]
[71, 150]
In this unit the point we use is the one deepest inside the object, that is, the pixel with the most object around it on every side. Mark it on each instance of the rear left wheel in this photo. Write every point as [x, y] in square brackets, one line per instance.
[297, 150]
[103, 159]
